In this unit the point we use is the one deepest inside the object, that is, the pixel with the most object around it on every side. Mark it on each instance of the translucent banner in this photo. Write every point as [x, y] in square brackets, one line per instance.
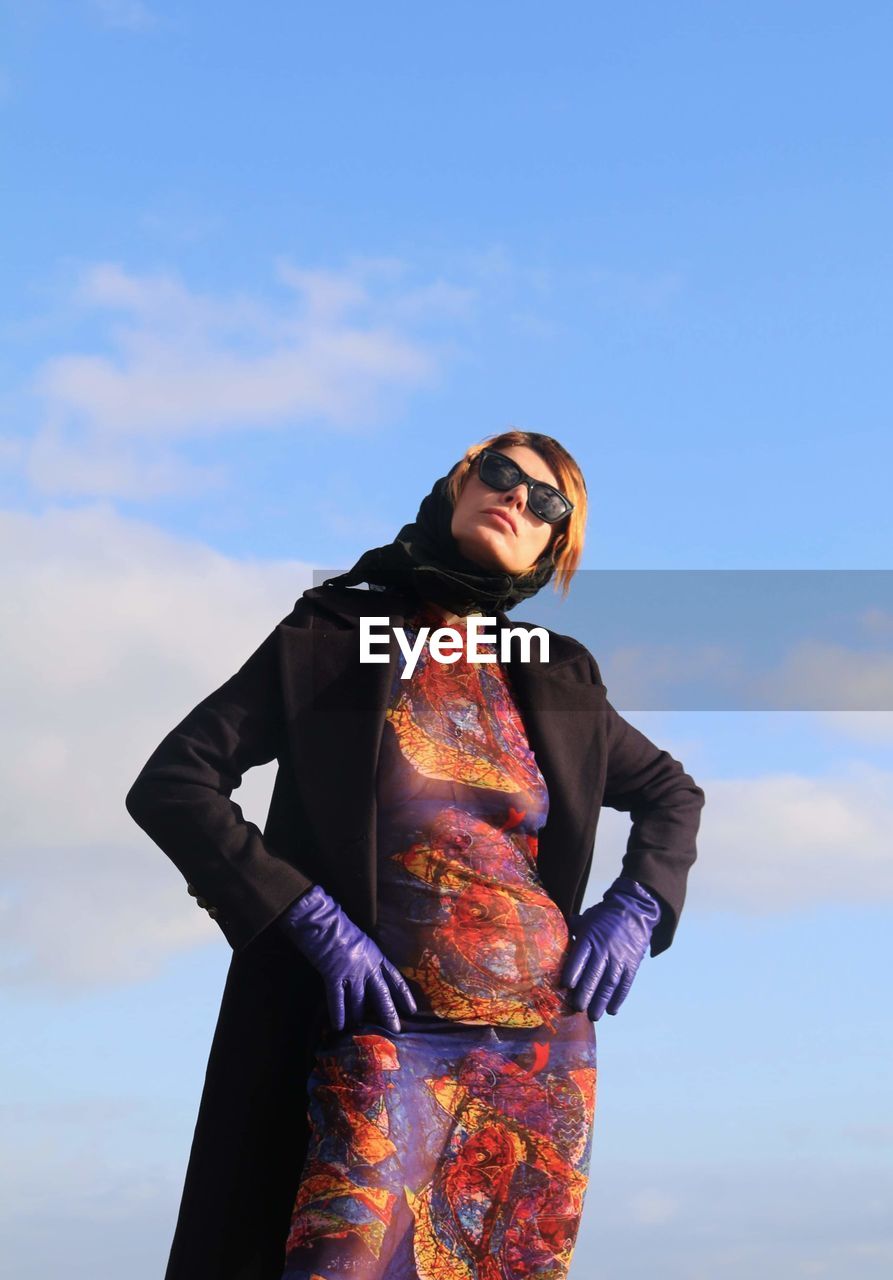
[728, 639]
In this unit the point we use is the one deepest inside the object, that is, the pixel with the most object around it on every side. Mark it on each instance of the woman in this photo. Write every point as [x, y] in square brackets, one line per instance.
[402, 1082]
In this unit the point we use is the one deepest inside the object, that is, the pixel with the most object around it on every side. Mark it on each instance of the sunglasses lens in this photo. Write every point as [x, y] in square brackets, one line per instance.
[499, 472]
[546, 503]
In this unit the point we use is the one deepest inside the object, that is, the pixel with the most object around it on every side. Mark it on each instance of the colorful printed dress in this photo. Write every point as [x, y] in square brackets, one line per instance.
[458, 1148]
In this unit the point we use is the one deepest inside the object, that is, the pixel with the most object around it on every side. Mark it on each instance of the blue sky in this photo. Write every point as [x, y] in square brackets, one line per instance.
[269, 271]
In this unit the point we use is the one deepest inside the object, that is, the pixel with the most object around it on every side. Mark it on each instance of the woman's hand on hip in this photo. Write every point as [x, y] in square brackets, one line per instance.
[611, 939]
[361, 983]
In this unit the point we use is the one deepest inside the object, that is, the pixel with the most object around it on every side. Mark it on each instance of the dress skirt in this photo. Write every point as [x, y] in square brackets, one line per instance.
[459, 1147]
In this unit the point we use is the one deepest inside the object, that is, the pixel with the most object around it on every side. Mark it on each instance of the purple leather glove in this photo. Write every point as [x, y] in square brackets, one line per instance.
[611, 939]
[345, 957]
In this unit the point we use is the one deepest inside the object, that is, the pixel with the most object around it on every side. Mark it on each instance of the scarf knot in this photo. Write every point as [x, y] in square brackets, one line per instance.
[424, 560]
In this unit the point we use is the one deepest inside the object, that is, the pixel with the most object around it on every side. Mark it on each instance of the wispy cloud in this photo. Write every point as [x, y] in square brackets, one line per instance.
[179, 364]
[805, 675]
[189, 364]
[119, 630]
[499, 269]
[112, 469]
[785, 841]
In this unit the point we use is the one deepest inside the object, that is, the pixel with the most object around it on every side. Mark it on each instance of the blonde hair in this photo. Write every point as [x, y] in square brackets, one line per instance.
[566, 542]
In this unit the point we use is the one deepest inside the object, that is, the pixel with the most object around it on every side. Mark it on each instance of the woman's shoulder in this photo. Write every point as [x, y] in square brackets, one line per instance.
[342, 606]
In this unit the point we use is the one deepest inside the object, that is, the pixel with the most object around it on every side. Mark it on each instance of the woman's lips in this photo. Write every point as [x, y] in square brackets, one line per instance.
[503, 520]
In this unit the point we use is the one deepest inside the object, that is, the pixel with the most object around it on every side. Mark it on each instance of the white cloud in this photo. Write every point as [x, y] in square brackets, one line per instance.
[836, 680]
[786, 842]
[116, 631]
[649, 675]
[112, 469]
[783, 842]
[877, 622]
[817, 674]
[189, 365]
[860, 726]
[177, 364]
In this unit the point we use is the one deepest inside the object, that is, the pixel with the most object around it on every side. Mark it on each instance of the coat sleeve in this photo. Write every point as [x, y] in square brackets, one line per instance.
[181, 799]
[665, 805]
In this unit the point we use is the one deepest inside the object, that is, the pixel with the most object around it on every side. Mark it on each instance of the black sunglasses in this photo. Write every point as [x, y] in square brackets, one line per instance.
[499, 472]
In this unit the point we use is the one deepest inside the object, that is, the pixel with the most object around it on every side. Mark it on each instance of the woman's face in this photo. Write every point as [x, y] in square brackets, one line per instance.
[513, 541]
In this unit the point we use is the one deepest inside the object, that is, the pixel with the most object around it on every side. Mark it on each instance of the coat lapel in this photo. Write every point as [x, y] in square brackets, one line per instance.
[336, 706]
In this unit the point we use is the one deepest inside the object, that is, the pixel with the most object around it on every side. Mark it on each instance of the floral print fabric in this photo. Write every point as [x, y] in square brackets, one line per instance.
[457, 1149]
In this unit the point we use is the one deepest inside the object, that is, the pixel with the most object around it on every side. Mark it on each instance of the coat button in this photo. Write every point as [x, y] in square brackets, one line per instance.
[190, 888]
[213, 913]
[201, 902]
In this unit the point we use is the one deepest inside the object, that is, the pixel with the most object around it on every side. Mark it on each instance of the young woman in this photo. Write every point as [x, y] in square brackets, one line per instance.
[402, 1083]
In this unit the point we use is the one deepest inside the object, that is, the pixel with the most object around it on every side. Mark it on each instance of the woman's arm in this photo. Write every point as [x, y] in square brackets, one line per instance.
[665, 805]
[181, 799]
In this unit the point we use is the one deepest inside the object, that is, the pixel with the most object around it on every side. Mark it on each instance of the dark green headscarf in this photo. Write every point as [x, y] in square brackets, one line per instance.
[424, 560]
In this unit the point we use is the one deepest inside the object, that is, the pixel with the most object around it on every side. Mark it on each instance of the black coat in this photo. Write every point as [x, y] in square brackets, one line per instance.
[305, 699]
